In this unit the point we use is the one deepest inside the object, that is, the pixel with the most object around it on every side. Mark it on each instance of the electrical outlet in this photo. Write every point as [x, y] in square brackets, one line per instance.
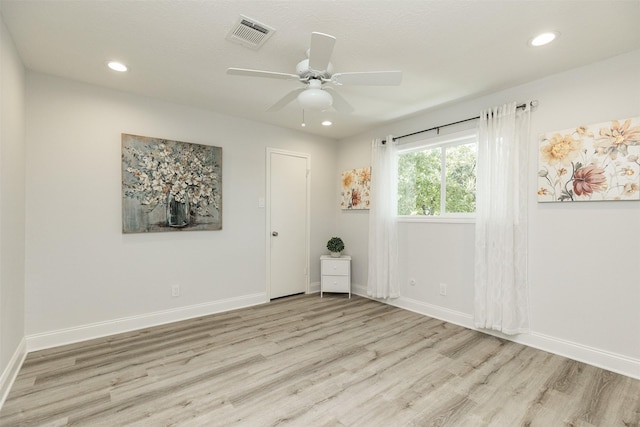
[443, 289]
[175, 290]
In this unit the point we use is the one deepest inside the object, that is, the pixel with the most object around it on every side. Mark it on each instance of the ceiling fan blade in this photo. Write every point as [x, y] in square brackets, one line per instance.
[339, 103]
[260, 73]
[320, 51]
[285, 100]
[368, 78]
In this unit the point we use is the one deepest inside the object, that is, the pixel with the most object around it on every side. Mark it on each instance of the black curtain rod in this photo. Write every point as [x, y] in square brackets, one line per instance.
[532, 103]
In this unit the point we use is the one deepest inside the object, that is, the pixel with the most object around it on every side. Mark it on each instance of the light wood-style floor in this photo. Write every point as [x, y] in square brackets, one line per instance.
[307, 361]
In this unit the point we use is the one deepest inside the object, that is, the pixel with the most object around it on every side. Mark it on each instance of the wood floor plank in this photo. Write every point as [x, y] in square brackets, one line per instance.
[311, 361]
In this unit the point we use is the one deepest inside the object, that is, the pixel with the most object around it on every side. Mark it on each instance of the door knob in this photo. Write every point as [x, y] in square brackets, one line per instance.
[274, 233]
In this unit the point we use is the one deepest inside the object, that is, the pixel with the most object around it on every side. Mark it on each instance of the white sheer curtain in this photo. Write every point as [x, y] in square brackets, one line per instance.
[382, 279]
[501, 290]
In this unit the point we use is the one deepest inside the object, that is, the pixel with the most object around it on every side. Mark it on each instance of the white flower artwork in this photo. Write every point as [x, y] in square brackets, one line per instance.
[170, 185]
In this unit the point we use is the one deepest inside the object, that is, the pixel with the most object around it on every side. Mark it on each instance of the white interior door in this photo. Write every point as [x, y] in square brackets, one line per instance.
[287, 223]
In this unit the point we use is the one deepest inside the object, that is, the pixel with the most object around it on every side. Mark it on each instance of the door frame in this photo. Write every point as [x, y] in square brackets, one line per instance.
[270, 151]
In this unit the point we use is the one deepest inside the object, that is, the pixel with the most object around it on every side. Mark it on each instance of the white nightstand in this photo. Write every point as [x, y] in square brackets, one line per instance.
[336, 274]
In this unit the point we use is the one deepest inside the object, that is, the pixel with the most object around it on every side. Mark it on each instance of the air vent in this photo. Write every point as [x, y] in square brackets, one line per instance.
[249, 32]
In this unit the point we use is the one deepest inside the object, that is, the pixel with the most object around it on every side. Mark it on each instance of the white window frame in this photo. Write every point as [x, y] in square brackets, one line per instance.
[442, 141]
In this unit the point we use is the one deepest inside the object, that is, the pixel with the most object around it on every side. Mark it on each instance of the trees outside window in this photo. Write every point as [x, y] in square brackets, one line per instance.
[438, 179]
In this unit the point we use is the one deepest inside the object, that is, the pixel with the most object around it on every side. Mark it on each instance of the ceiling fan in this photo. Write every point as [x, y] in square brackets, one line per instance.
[316, 73]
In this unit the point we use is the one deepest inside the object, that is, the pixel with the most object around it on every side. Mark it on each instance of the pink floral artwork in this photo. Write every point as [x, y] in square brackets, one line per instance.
[595, 162]
[356, 187]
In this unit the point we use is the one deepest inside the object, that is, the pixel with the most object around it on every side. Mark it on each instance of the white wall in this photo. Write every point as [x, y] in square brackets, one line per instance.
[584, 258]
[84, 277]
[12, 211]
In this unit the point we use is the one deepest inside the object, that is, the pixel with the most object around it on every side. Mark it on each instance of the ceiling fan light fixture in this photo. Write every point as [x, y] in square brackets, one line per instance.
[315, 99]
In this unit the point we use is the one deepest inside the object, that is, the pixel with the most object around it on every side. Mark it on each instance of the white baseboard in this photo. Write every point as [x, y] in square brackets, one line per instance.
[593, 356]
[614, 362]
[11, 371]
[101, 329]
[431, 310]
[314, 287]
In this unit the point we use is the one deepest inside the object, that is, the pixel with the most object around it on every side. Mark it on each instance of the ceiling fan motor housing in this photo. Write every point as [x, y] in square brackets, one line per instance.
[303, 70]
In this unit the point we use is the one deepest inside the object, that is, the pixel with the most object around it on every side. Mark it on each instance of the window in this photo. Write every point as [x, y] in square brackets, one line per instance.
[437, 177]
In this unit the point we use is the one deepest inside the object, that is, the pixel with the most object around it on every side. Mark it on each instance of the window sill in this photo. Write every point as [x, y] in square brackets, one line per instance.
[437, 220]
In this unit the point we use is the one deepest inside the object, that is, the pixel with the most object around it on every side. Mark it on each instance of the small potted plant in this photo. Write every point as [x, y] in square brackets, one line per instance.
[335, 246]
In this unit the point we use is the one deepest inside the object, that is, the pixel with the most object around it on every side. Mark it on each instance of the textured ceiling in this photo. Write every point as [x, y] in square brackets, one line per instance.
[448, 50]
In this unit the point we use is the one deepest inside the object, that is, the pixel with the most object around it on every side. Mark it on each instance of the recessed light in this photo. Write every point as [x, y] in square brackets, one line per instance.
[117, 66]
[326, 123]
[543, 39]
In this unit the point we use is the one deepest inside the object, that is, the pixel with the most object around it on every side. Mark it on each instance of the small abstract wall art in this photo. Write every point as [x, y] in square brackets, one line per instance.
[594, 162]
[356, 188]
[170, 185]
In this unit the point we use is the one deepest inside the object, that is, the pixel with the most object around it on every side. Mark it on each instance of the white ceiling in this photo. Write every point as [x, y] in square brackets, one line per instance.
[448, 50]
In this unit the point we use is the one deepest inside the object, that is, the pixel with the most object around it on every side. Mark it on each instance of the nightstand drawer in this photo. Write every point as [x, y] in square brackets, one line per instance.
[335, 267]
[335, 284]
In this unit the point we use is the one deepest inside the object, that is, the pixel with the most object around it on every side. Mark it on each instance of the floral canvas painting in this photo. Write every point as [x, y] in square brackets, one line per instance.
[356, 188]
[595, 162]
[170, 185]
